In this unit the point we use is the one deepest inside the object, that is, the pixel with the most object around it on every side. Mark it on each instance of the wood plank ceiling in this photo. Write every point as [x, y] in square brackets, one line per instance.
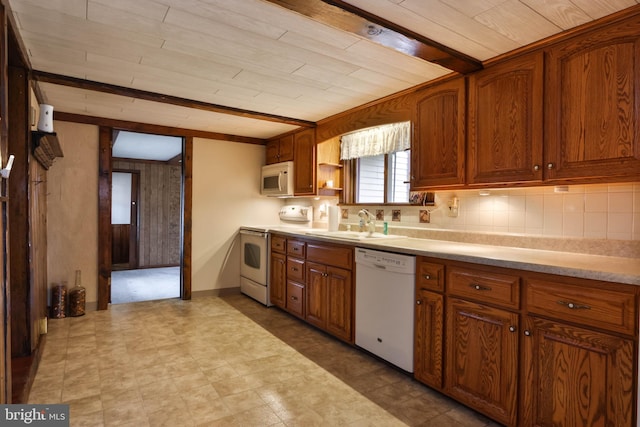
[257, 68]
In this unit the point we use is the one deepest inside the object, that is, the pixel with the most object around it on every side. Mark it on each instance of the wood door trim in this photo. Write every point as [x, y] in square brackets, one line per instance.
[104, 218]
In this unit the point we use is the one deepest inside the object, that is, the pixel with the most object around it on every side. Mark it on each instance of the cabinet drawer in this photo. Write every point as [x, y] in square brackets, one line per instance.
[278, 244]
[330, 255]
[295, 298]
[429, 276]
[611, 309]
[295, 269]
[295, 248]
[496, 288]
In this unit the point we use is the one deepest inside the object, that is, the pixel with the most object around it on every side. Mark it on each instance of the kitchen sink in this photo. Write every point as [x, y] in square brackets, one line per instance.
[353, 235]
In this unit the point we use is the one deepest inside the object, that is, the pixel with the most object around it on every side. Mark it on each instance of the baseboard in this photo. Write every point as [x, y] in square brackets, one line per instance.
[216, 292]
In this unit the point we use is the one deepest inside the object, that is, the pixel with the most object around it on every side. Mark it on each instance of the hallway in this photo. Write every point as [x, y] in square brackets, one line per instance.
[145, 284]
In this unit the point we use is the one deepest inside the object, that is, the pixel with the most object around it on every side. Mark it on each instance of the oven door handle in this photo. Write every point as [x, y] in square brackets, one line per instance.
[254, 233]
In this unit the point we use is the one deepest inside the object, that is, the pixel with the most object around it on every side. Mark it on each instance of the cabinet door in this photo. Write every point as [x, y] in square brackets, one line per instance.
[285, 152]
[593, 105]
[278, 284]
[438, 148]
[576, 377]
[428, 337]
[505, 122]
[339, 303]
[482, 356]
[272, 151]
[304, 163]
[316, 295]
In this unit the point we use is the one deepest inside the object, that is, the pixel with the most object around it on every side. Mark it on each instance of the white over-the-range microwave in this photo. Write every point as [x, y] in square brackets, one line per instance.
[277, 180]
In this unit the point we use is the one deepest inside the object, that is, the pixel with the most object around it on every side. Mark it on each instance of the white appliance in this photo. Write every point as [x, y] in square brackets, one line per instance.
[384, 305]
[255, 243]
[277, 180]
[254, 264]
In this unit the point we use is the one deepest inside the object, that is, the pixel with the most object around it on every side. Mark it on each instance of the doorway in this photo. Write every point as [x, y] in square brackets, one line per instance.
[146, 217]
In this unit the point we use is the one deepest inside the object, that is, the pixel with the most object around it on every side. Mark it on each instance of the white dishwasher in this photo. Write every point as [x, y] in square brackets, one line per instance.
[384, 305]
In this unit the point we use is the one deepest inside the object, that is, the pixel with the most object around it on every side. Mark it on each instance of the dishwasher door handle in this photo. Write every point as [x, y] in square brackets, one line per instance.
[381, 267]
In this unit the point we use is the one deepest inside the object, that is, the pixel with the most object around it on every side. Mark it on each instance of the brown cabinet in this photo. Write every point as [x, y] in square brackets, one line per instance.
[438, 148]
[329, 299]
[528, 349]
[505, 122]
[279, 150]
[482, 358]
[579, 354]
[429, 322]
[428, 340]
[278, 282]
[329, 289]
[482, 340]
[304, 163]
[592, 101]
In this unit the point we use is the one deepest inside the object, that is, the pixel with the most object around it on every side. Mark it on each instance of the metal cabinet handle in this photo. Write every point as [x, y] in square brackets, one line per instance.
[550, 165]
[512, 328]
[478, 287]
[536, 167]
[294, 269]
[527, 333]
[426, 277]
[419, 302]
[294, 298]
[574, 306]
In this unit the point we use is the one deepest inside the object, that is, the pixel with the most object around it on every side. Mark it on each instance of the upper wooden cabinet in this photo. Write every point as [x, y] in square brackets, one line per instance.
[438, 148]
[592, 101]
[505, 122]
[279, 150]
[304, 163]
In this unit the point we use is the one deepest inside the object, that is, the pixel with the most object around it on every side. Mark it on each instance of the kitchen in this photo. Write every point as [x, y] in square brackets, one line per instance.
[215, 224]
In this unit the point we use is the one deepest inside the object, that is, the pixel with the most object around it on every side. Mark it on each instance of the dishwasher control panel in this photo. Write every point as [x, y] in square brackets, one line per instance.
[384, 259]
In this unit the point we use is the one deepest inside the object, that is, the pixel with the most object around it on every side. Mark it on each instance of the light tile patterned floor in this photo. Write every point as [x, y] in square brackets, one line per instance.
[224, 362]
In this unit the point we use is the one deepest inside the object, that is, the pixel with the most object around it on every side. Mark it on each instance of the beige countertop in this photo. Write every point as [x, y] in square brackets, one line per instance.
[596, 267]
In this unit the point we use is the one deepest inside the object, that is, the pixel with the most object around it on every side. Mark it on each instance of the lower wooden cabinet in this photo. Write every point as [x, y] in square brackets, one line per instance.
[278, 281]
[428, 340]
[482, 358]
[576, 377]
[329, 299]
[528, 349]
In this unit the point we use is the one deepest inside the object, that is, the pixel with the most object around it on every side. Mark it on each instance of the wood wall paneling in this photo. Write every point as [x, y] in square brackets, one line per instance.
[104, 217]
[158, 211]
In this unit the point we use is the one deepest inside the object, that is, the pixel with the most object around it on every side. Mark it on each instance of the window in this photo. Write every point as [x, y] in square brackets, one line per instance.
[380, 163]
[371, 185]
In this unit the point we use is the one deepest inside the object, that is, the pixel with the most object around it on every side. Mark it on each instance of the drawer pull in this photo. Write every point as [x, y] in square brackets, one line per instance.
[479, 287]
[512, 328]
[294, 298]
[419, 302]
[574, 306]
[426, 277]
[294, 269]
[527, 333]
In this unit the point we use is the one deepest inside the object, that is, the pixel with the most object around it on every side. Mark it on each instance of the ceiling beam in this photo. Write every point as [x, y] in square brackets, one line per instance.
[153, 129]
[44, 77]
[342, 15]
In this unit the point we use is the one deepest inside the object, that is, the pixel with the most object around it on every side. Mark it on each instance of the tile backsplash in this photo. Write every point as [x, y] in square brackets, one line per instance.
[599, 211]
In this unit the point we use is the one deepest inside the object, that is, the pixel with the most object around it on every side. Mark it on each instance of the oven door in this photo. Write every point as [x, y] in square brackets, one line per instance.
[253, 256]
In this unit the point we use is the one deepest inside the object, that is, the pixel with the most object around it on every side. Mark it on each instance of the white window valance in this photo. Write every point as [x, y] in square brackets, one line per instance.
[376, 140]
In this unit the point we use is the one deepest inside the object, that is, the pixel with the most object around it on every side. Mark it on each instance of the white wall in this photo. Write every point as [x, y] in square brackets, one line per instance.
[72, 208]
[226, 195]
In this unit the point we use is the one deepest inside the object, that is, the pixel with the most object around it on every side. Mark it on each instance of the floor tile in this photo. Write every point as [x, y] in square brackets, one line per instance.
[225, 361]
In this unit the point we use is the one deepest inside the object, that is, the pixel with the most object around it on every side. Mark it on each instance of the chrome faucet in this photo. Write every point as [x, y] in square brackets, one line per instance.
[369, 220]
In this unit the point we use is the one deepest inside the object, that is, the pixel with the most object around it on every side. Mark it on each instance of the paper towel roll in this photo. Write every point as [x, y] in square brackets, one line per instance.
[334, 218]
